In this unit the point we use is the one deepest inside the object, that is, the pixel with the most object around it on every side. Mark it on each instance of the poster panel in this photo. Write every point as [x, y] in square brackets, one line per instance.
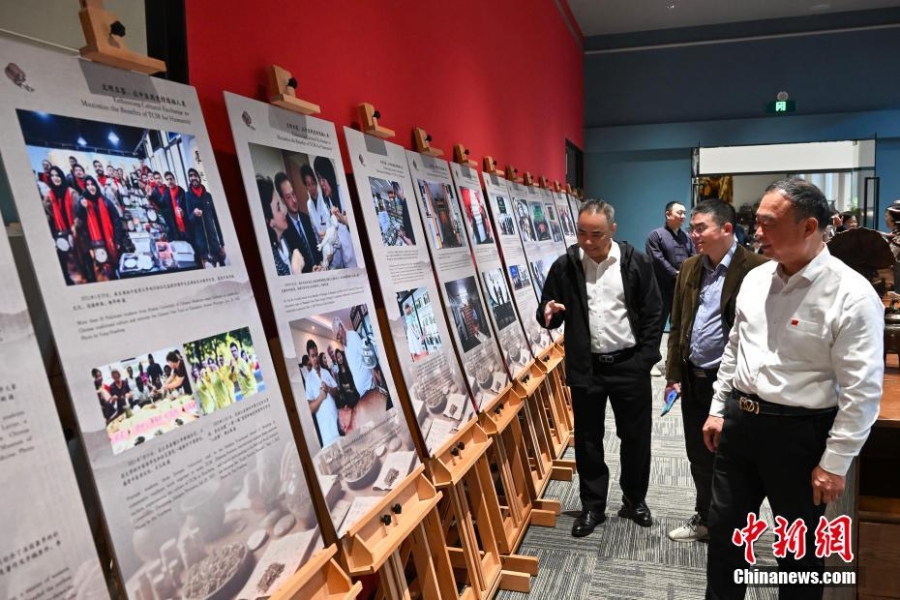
[566, 218]
[447, 221]
[516, 270]
[484, 239]
[46, 546]
[399, 251]
[307, 233]
[153, 315]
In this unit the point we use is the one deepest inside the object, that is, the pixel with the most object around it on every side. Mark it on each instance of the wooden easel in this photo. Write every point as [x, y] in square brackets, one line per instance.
[104, 34]
[512, 174]
[552, 398]
[422, 142]
[489, 166]
[283, 93]
[368, 122]
[320, 577]
[461, 156]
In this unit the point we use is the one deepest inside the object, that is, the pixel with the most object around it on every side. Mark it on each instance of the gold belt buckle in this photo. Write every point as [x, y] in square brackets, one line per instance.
[748, 405]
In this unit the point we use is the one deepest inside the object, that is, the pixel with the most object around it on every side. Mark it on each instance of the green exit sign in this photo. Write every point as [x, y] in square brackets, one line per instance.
[781, 106]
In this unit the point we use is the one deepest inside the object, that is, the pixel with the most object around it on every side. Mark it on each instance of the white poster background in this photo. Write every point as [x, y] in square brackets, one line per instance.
[46, 545]
[432, 374]
[183, 497]
[446, 222]
[518, 273]
[495, 284]
[272, 140]
[566, 218]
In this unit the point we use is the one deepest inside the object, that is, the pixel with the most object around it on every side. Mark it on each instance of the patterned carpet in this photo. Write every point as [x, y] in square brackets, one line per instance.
[621, 560]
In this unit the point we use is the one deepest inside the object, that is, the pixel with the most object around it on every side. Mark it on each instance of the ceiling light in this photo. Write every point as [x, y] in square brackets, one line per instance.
[671, 6]
[82, 141]
[112, 137]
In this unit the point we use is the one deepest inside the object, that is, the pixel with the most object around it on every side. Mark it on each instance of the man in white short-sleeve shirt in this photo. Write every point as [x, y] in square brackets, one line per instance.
[320, 387]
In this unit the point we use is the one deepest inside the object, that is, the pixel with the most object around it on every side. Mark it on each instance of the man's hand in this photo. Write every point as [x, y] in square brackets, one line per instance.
[551, 309]
[672, 385]
[826, 486]
[712, 431]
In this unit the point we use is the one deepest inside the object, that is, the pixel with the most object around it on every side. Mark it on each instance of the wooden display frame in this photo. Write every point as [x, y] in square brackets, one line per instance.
[109, 48]
[559, 404]
[422, 141]
[512, 174]
[489, 166]
[368, 122]
[284, 95]
[320, 577]
[461, 156]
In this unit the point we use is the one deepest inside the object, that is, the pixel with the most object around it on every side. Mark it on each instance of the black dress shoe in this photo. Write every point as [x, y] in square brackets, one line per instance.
[586, 522]
[638, 512]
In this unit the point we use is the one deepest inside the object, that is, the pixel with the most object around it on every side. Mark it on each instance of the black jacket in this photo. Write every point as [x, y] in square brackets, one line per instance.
[566, 284]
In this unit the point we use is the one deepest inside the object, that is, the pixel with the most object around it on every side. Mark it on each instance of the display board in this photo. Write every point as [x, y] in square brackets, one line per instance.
[574, 207]
[304, 222]
[156, 327]
[507, 223]
[484, 239]
[443, 216]
[431, 372]
[46, 546]
[566, 219]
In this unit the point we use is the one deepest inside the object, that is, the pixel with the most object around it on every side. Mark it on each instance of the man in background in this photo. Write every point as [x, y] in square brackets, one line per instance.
[668, 247]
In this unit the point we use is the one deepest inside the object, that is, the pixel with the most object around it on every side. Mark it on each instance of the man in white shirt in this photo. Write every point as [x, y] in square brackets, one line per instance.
[360, 360]
[798, 389]
[606, 294]
[320, 387]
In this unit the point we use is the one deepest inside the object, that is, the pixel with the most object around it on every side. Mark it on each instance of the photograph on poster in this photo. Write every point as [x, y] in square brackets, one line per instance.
[305, 210]
[224, 369]
[440, 214]
[554, 224]
[499, 298]
[539, 220]
[526, 227]
[537, 274]
[141, 398]
[342, 379]
[477, 218]
[504, 216]
[422, 335]
[122, 201]
[565, 216]
[519, 276]
[393, 212]
[468, 313]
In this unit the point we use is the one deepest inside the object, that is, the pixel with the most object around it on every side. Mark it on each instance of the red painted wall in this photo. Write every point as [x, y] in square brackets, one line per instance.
[503, 77]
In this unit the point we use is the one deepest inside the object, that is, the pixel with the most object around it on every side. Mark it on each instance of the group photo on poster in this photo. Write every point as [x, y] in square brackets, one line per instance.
[343, 380]
[422, 335]
[392, 210]
[440, 215]
[149, 395]
[476, 216]
[305, 211]
[121, 201]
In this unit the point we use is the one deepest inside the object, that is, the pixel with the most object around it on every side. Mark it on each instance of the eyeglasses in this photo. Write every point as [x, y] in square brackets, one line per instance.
[698, 229]
[597, 235]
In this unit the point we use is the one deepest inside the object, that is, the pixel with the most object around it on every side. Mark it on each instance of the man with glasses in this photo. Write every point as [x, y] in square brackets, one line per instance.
[702, 315]
[798, 388]
[606, 294]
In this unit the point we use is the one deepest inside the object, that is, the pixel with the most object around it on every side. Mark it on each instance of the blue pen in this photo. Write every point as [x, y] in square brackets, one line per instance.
[671, 397]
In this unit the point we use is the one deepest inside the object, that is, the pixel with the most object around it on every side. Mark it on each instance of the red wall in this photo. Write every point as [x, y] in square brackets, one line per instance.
[504, 77]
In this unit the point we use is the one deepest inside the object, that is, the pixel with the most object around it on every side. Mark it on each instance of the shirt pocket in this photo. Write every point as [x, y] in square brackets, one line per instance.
[805, 341]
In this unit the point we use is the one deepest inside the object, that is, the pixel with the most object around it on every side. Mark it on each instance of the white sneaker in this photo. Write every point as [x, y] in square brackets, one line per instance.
[692, 531]
[655, 372]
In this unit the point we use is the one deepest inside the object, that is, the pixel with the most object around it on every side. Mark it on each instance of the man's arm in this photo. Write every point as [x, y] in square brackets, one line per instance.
[649, 303]
[674, 352]
[552, 291]
[655, 251]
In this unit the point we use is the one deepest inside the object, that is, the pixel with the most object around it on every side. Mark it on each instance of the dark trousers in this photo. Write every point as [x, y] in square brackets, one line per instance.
[667, 292]
[627, 386]
[763, 456]
[696, 397]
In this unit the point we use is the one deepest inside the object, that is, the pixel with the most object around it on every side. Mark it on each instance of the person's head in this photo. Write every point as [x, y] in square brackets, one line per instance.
[712, 228]
[98, 167]
[167, 370]
[327, 176]
[220, 360]
[194, 177]
[116, 375]
[91, 188]
[313, 352]
[675, 213]
[150, 358]
[892, 215]
[157, 178]
[286, 192]
[790, 221]
[211, 363]
[323, 360]
[304, 362]
[57, 178]
[130, 371]
[273, 209]
[110, 171]
[398, 189]
[72, 161]
[144, 179]
[339, 357]
[596, 227]
[235, 351]
[172, 359]
[120, 172]
[45, 165]
[96, 374]
[848, 220]
[78, 171]
[309, 180]
[340, 333]
[170, 179]
[195, 371]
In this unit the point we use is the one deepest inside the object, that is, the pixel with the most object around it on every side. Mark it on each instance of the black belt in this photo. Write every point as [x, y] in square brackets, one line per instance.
[752, 403]
[701, 373]
[614, 357]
